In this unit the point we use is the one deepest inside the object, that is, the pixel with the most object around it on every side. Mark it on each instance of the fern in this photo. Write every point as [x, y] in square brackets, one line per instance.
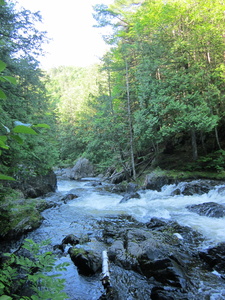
[20, 274]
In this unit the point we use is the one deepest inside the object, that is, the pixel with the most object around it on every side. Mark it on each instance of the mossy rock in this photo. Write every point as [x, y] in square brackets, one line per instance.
[19, 216]
[87, 262]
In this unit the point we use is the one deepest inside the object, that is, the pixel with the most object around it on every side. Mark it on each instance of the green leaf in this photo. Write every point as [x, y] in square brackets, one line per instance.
[2, 64]
[5, 177]
[2, 95]
[24, 129]
[4, 297]
[2, 2]
[42, 125]
[3, 138]
[9, 79]
[3, 145]
[17, 138]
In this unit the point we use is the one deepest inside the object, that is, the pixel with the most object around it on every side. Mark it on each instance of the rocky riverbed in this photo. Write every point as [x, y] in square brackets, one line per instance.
[161, 244]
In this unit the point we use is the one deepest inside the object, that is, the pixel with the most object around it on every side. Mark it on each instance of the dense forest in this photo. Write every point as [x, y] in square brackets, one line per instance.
[155, 99]
[158, 91]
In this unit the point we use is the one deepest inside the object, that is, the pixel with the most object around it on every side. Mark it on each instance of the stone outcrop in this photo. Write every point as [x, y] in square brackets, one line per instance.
[145, 252]
[165, 253]
[159, 259]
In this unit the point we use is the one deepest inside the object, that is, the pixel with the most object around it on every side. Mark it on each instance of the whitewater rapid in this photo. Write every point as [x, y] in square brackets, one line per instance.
[151, 204]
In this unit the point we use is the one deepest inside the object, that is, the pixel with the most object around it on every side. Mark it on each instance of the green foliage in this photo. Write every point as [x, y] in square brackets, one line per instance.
[213, 161]
[28, 277]
[3, 78]
[21, 129]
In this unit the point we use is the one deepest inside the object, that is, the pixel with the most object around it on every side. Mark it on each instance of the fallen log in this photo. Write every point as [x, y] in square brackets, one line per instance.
[110, 292]
[105, 271]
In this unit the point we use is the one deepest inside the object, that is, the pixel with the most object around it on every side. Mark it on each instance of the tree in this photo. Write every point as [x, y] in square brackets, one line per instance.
[26, 101]
[178, 65]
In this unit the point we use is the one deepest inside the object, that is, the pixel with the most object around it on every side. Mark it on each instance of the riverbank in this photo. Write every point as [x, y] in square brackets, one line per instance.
[20, 215]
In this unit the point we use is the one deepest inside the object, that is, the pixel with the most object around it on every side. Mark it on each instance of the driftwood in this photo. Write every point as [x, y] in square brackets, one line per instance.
[105, 271]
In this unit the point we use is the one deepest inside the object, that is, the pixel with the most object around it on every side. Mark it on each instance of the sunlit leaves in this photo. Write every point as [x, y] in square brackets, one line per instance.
[3, 140]
[2, 95]
[41, 126]
[2, 66]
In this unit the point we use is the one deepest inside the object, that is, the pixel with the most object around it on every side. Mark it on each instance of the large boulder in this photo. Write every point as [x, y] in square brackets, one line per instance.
[156, 180]
[198, 187]
[83, 168]
[18, 217]
[209, 209]
[87, 262]
[215, 258]
[33, 185]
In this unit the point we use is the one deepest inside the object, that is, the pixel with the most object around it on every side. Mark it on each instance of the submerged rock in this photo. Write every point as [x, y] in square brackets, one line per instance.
[69, 197]
[130, 196]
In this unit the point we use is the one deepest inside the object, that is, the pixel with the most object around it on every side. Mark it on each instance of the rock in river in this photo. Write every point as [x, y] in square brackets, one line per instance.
[209, 209]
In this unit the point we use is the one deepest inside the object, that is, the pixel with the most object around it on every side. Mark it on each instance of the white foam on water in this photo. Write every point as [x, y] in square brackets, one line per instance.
[160, 205]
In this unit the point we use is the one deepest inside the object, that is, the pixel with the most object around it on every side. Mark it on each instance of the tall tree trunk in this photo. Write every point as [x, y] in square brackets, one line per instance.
[217, 138]
[203, 143]
[194, 144]
[110, 90]
[130, 124]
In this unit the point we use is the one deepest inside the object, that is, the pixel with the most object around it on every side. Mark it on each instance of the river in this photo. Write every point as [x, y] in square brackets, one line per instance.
[81, 216]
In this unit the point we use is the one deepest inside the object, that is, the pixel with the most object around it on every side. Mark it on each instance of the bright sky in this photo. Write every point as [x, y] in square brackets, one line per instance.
[69, 24]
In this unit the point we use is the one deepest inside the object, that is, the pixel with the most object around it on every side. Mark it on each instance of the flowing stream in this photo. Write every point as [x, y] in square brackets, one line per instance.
[81, 215]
